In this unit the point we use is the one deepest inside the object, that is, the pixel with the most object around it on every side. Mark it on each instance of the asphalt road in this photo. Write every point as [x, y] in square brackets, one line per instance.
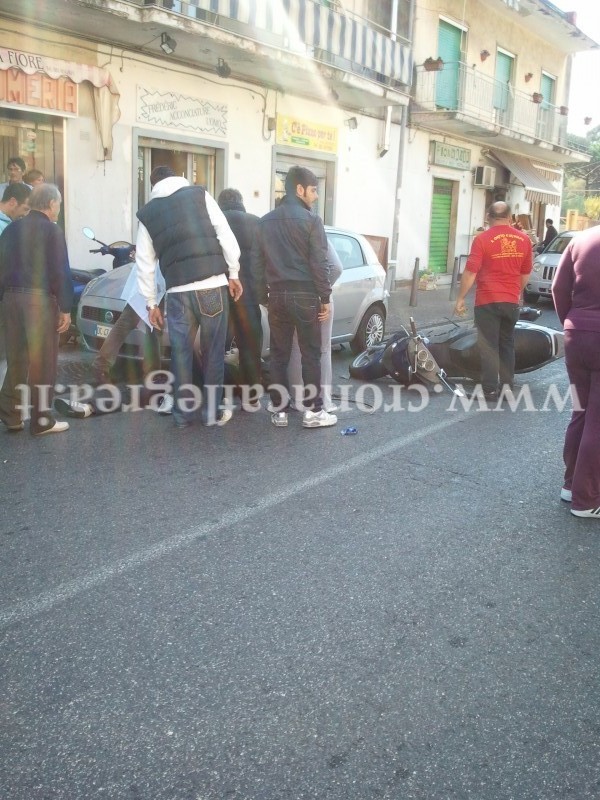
[257, 613]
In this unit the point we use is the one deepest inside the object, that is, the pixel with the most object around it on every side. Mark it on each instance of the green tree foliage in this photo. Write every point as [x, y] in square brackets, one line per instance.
[582, 181]
[573, 195]
[575, 142]
[592, 206]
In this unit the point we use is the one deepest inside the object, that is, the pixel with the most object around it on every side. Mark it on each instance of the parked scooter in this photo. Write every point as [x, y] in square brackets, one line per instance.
[122, 253]
[450, 352]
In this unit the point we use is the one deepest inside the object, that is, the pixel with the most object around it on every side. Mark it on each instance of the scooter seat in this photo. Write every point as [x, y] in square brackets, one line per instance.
[86, 275]
[465, 342]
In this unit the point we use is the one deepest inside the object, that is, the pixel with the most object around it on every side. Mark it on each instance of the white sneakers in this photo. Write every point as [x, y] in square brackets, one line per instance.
[73, 408]
[310, 419]
[591, 513]
[165, 404]
[224, 417]
[318, 419]
[58, 427]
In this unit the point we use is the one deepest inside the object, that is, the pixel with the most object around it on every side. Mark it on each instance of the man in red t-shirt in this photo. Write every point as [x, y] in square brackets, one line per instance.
[499, 263]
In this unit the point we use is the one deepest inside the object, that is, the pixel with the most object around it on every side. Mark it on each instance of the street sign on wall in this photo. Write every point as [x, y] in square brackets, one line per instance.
[449, 155]
[309, 135]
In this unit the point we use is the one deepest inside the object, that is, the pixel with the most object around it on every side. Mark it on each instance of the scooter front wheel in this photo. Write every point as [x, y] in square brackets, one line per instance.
[367, 365]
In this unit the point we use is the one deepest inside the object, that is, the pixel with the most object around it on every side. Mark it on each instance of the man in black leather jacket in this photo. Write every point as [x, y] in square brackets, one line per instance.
[245, 314]
[290, 257]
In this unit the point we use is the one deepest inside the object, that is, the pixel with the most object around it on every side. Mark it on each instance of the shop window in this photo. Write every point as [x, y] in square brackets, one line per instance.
[36, 138]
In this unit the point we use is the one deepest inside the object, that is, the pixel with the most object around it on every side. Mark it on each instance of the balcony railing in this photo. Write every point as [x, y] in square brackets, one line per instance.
[307, 27]
[491, 103]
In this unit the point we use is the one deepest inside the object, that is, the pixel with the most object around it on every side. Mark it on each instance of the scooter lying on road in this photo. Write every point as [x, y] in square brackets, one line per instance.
[122, 253]
[407, 358]
[452, 349]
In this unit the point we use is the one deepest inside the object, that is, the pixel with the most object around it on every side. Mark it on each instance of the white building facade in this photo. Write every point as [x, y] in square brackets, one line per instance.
[488, 121]
[233, 92]
[91, 97]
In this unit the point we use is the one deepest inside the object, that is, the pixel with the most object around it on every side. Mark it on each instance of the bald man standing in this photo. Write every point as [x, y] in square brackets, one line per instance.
[499, 265]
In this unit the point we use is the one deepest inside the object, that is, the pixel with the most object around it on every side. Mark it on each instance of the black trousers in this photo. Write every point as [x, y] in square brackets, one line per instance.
[495, 324]
[247, 329]
[289, 312]
[30, 320]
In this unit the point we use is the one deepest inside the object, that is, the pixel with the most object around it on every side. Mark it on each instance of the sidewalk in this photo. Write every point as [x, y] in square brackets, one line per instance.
[432, 306]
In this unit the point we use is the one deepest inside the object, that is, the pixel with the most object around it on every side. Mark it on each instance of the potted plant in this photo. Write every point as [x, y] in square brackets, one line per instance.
[433, 64]
[564, 111]
[537, 97]
[427, 280]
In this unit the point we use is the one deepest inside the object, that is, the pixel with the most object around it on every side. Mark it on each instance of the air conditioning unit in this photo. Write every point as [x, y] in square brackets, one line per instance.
[485, 176]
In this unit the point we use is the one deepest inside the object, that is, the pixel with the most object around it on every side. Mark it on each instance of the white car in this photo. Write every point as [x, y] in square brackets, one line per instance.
[360, 299]
[544, 267]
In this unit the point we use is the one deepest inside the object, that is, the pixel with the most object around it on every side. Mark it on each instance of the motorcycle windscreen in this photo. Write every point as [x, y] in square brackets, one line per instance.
[533, 349]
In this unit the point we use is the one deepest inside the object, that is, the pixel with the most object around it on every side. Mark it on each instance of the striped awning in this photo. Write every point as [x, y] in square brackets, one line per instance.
[307, 26]
[537, 188]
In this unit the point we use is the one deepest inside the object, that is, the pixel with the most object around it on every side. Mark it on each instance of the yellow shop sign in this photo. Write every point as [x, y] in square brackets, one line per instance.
[310, 135]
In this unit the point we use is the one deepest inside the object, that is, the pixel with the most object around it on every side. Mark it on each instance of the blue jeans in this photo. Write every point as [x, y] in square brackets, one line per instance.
[495, 324]
[288, 312]
[186, 312]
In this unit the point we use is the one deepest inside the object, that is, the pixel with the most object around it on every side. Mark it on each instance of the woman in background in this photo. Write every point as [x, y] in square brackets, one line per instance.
[576, 293]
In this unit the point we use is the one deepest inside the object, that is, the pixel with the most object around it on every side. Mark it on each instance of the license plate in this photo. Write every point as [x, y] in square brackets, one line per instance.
[103, 330]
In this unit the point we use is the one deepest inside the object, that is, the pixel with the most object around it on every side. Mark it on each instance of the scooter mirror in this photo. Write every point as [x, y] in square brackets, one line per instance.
[89, 233]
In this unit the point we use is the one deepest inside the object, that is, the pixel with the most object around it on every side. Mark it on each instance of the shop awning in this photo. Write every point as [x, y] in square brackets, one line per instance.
[105, 91]
[537, 188]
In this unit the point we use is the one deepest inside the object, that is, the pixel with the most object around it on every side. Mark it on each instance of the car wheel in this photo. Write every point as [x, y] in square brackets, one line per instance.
[531, 297]
[370, 331]
[367, 366]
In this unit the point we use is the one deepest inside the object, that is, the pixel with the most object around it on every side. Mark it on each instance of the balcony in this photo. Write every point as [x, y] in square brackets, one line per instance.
[357, 52]
[458, 100]
[302, 47]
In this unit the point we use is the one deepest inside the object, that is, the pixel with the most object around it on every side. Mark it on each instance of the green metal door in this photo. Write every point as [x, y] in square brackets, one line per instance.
[546, 117]
[449, 49]
[439, 232]
[504, 75]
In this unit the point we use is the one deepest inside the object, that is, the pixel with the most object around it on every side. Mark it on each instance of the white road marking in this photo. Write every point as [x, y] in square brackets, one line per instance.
[44, 601]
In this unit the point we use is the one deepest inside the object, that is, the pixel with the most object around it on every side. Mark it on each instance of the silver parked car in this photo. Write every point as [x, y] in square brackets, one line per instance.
[544, 267]
[360, 299]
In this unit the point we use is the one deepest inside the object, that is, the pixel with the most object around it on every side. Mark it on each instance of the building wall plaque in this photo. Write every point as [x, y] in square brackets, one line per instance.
[171, 110]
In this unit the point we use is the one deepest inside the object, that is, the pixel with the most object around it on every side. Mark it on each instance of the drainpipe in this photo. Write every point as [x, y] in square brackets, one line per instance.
[402, 145]
[385, 146]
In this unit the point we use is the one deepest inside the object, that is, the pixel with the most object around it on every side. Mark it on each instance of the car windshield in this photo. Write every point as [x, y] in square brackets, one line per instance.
[559, 244]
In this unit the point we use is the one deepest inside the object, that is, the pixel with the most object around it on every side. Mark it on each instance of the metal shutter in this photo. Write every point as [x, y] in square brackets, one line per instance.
[439, 233]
